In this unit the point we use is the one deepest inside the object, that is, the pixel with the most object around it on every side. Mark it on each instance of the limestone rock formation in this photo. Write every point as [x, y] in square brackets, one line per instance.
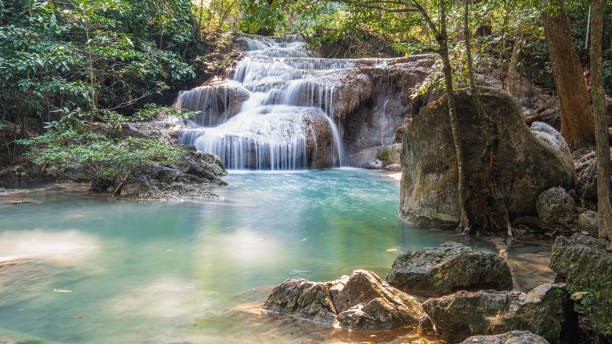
[448, 268]
[586, 265]
[360, 302]
[512, 337]
[319, 141]
[542, 311]
[555, 205]
[216, 101]
[528, 162]
[371, 113]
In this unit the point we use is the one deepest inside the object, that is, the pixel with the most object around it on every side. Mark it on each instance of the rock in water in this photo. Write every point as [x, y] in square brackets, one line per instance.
[542, 311]
[448, 268]
[555, 205]
[360, 302]
[513, 337]
[586, 265]
[528, 162]
[192, 177]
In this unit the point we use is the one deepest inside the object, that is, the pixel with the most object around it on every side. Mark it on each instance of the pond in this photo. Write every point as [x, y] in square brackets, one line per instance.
[80, 270]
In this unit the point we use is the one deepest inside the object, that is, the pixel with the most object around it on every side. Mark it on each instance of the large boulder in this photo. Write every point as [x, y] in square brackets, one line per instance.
[528, 162]
[448, 268]
[512, 337]
[192, 177]
[542, 311]
[555, 205]
[585, 264]
[360, 302]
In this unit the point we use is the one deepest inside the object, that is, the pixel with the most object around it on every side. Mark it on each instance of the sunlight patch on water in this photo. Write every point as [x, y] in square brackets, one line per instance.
[66, 247]
[245, 246]
[166, 297]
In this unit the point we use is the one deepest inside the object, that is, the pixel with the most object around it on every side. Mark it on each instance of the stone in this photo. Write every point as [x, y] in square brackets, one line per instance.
[542, 311]
[586, 172]
[555, 205]
[192, 177]
[374, 99]
[584, 263]
[448, 268]
[587, 219]
[364, 158]
[528, 162]
[319, 141]
[512, 337]
[216, 101]
[359, 302]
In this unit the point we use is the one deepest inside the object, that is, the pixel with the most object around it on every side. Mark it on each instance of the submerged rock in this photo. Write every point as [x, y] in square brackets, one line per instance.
[528, 161]
[448, 268]
[555, 205]
[360, 302]
[513, 337]
[542, 311]
[585, 264]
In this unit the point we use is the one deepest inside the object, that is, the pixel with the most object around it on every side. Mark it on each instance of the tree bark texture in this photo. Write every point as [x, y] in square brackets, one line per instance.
[514, 78]
[576, 119]
[442, 38]
[604, 211]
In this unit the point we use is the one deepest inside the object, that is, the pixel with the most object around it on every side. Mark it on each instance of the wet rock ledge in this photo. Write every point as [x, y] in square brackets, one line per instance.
[448, 268]
[361, 301]
[365, 302]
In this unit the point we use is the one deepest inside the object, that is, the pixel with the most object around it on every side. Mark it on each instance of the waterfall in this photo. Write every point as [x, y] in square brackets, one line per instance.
[272, 113]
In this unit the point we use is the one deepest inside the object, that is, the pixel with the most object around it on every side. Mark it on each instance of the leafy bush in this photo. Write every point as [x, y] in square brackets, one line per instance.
[108, 162]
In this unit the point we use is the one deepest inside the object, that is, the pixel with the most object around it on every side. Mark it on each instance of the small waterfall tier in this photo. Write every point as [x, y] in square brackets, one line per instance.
[283, 108]
[275, 113]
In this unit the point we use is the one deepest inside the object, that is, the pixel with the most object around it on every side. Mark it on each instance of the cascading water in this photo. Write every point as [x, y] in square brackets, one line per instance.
[274, 111]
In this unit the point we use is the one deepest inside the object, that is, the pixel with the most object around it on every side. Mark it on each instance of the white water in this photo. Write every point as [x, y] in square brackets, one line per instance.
[284, 90]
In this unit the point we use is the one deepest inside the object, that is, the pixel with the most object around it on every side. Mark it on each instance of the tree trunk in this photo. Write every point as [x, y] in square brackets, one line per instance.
[514, 78]
[604, 211]
[442, 38]
[576, 119]
[484, 203]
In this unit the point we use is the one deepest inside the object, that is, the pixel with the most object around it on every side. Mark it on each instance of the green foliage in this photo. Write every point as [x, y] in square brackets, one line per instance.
[260, 17]
[99, 157]
[56, 57]
[152, 111]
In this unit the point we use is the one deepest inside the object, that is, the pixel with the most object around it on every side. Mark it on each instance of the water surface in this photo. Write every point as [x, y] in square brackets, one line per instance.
[111, 271]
